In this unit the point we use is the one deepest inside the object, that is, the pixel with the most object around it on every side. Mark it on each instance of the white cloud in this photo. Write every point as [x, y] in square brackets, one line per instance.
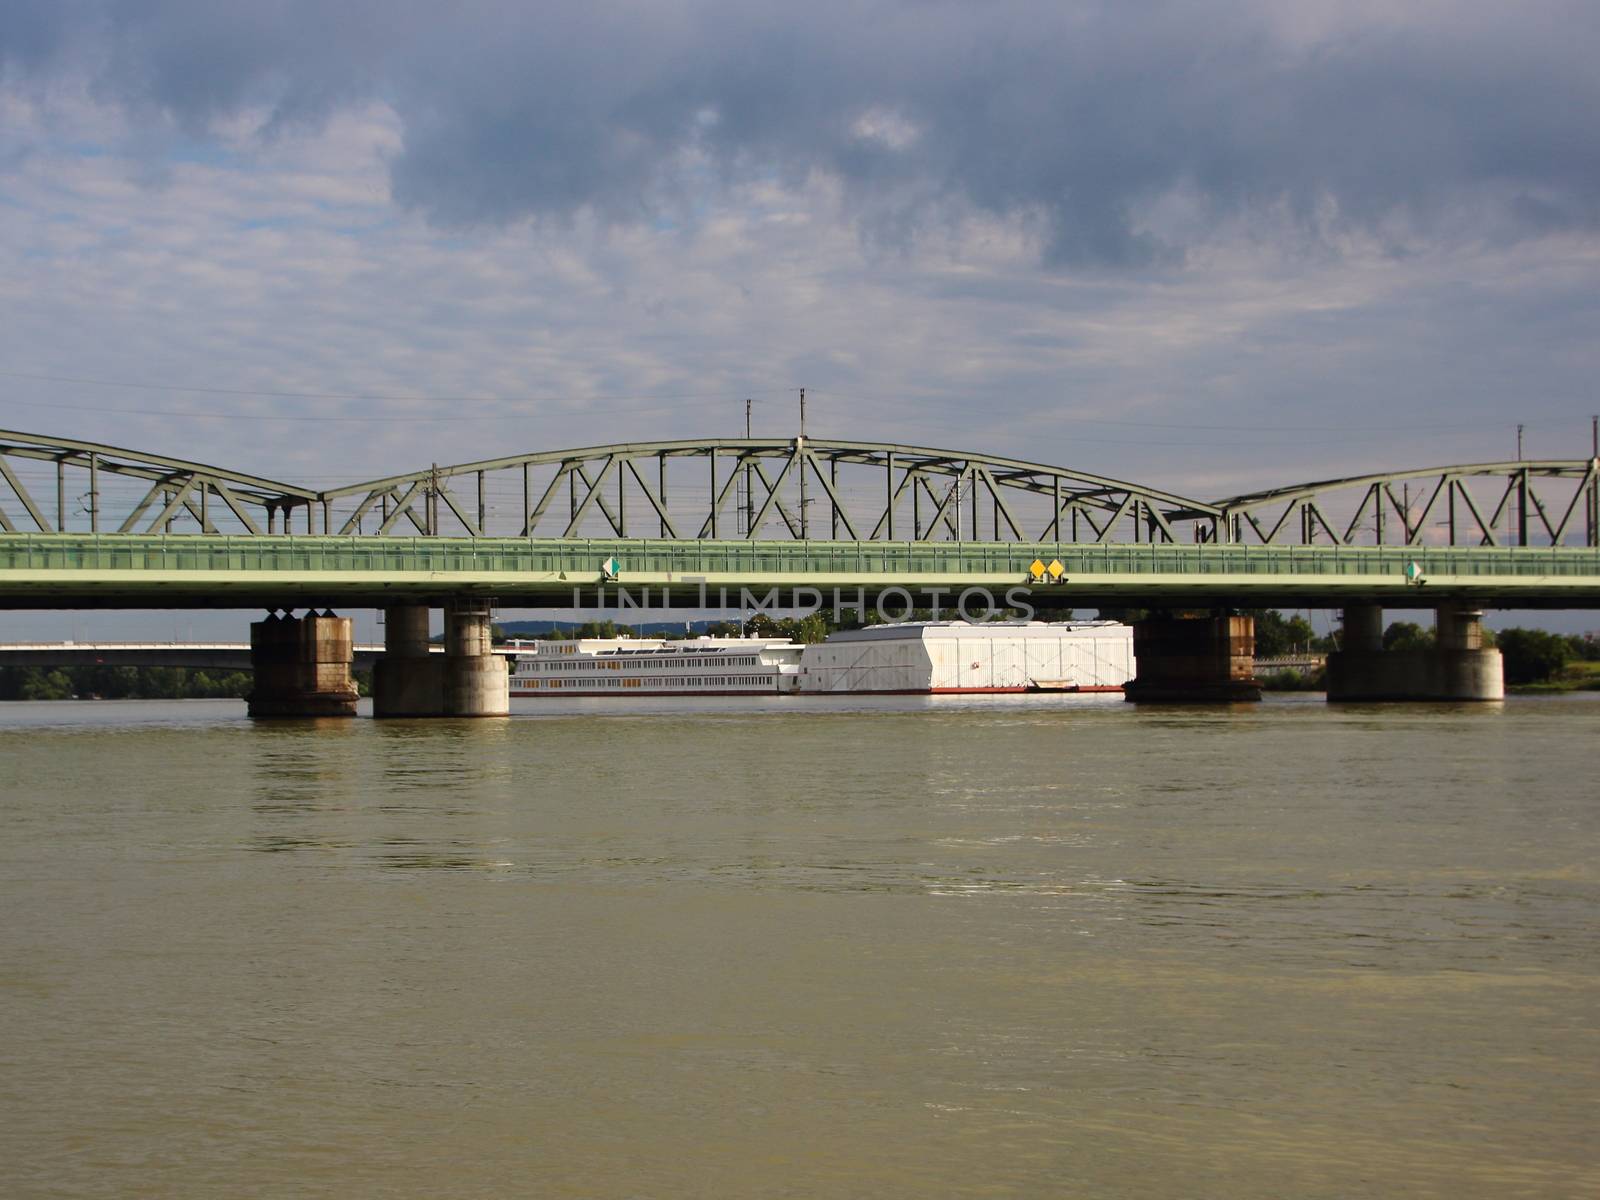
[281, 263]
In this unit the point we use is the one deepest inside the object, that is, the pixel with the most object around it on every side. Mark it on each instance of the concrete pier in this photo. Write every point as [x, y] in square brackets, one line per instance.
[1194, 660]
[476, 679]
[302, 666]
[408, 681]
[1458, 667]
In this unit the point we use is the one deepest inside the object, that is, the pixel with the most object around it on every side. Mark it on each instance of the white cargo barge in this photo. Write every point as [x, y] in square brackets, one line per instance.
[942, 657]
[705, 666]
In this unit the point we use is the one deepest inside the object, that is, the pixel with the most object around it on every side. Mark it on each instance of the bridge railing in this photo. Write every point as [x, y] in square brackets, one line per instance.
[581, 559]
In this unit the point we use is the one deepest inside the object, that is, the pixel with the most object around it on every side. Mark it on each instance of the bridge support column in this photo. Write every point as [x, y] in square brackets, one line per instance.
[408, 681]
[476, 681]
[1458, 667]
[1363, 630]
[302, 667]
[1194, 660]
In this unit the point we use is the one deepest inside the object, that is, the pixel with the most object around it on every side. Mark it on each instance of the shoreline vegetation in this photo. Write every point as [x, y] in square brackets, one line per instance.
[132, 683]
[1578, 677]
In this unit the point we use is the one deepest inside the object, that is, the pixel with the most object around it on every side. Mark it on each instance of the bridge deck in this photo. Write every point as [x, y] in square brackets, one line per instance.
[127, 570]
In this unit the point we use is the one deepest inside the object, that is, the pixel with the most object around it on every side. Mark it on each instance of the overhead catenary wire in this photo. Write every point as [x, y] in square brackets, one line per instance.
[654, 403]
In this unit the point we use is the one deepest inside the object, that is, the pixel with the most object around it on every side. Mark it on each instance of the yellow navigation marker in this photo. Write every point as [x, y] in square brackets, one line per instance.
[1036, 568]
[1056, 569]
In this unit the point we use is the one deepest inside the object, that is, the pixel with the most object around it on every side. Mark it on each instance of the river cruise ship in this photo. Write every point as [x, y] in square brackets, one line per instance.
[704, 666]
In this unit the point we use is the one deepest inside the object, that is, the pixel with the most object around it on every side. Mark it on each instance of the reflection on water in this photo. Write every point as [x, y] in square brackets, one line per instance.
[864, 946]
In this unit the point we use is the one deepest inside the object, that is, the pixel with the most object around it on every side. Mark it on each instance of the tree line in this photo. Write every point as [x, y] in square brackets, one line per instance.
[98, 682]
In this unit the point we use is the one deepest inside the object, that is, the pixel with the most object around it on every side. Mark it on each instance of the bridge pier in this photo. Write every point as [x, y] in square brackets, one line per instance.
[302, 666]
[1194, 660]
[408, 681]
[1458, 667]
[476, 679]
[468, 680]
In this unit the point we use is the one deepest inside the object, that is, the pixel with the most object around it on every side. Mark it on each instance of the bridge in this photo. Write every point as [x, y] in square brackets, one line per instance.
[733, 521]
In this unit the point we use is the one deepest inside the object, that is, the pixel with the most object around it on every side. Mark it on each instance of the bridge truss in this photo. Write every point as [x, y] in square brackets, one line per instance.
[803, 489]
[1484, 504]
[789, 489]
[106, 489]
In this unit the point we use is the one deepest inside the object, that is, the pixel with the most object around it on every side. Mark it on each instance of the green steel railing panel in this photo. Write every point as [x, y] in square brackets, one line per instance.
[244, 554]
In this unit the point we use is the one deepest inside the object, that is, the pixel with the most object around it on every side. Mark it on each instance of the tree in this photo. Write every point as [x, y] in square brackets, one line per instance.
[808, 629]
[1277, 635]
[1128, 616]
[46, 685]
[1532, 655]
[1585, 647]
[1407, 635]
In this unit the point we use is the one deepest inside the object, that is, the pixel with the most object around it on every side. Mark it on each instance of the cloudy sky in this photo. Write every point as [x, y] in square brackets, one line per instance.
[1204, 246]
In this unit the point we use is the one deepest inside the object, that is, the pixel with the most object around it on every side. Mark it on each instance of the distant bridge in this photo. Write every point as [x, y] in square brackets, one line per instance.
[1277, 664]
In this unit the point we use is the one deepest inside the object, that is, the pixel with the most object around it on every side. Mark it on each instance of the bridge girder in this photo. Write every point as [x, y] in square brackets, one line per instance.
[793, 489]
[171, 488]
[751, 485]
[1475, 504]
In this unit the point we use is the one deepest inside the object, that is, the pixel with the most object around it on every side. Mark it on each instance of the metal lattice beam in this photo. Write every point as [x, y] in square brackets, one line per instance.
[1534, 503]
[871, 492]
[91, 485]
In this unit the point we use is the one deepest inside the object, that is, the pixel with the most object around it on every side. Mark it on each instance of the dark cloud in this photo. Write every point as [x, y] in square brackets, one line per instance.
[1121, 133]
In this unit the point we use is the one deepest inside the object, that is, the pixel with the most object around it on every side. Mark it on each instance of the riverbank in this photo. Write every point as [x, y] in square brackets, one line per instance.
[1574, 677]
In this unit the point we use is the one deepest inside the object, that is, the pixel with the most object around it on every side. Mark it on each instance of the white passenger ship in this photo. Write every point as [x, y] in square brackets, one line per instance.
[936, 657]
[704, 666]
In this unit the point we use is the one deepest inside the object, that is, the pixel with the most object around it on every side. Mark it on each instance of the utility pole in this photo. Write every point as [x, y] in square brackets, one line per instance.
[1594, 487]
[1522, 496]
[799, 449]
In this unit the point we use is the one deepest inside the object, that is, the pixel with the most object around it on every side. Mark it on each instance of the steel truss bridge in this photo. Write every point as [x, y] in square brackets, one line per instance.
[86, 524]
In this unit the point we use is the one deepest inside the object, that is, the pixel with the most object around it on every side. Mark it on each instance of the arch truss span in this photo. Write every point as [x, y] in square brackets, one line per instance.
[790, 488]
[58, 485]
[753, 488]
[1547, 503]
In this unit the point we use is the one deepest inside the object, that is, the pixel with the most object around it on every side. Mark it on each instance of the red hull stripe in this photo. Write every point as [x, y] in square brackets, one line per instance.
[635, 693]
[963, 691]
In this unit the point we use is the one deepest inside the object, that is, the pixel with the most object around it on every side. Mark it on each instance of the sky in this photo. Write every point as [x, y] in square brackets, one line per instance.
[1206, 247]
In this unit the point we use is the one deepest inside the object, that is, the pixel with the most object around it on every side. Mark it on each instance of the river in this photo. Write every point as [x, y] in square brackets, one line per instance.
[1031, 946]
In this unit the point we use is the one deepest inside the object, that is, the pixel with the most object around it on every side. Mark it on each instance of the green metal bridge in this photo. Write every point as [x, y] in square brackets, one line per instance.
[86, 525]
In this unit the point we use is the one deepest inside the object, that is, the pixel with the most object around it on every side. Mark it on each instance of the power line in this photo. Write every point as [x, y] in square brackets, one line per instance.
[1200, 423]
[224, 391]
[380, 419]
